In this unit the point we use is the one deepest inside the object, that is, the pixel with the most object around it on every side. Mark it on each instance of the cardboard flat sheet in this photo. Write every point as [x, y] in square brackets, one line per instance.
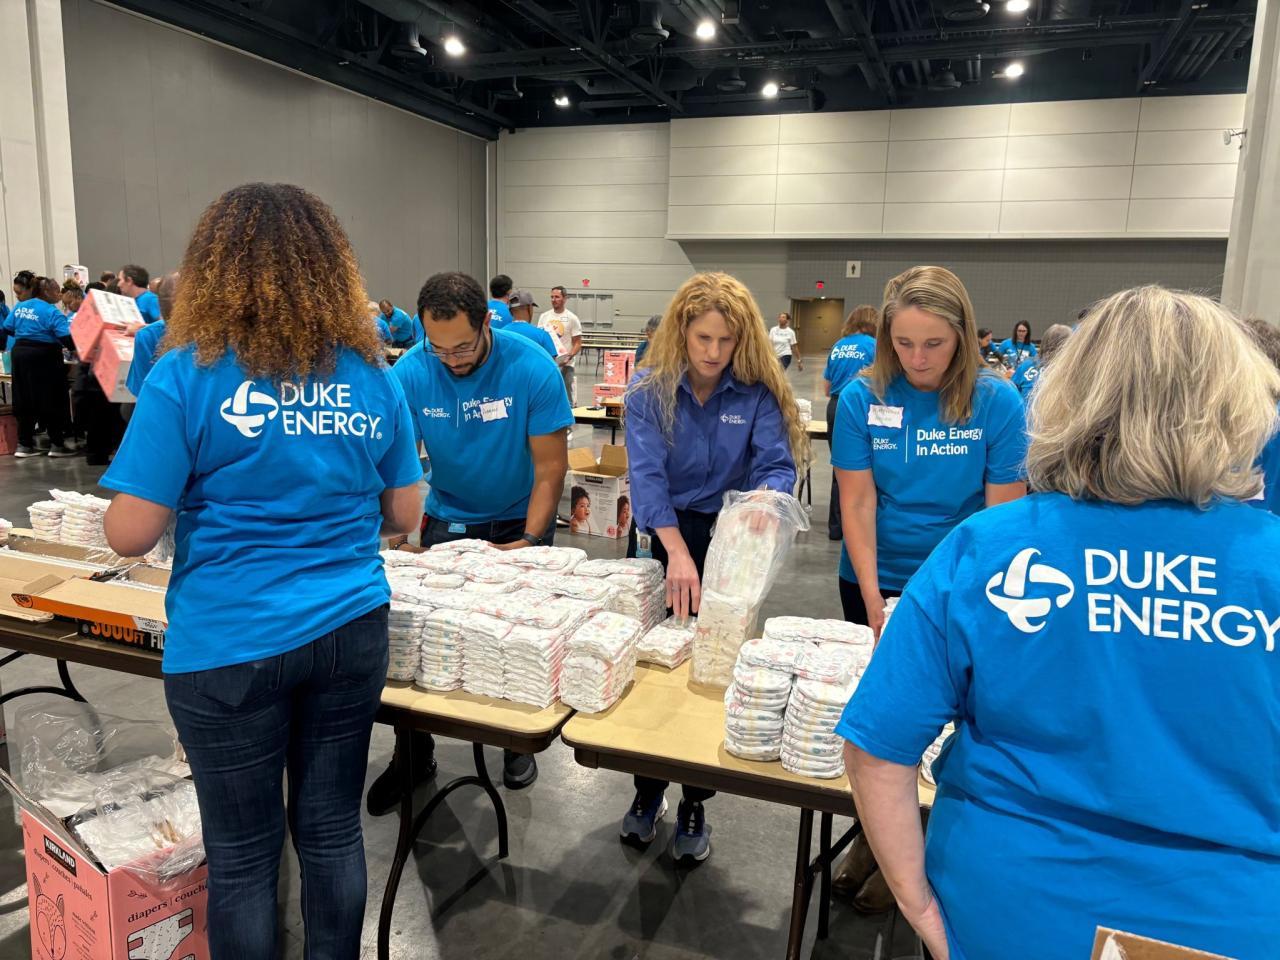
[663, 716]
[519, 719]
[1116, 945]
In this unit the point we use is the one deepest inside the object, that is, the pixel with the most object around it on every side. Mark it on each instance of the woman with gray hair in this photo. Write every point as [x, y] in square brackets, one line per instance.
[650, 328]
[1106, 648]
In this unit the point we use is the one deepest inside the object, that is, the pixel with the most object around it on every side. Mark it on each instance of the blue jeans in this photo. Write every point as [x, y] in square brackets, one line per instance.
[309, 711]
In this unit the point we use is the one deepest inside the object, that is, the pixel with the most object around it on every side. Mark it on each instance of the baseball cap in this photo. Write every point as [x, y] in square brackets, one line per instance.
[522, 298]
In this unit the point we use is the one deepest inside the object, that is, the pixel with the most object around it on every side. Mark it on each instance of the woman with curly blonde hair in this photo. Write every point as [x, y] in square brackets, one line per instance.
[710, 411]
[274, 431]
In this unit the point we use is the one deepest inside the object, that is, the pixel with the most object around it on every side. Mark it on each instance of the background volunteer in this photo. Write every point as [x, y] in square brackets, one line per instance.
[1110, 768]
[1024, 378]
[522, 304]
[132, 281]
[490, 409]
[650, 328]
[399, 324]
[1267, 339]
[566, 330]
[849, 356]
[1018, 347]
[783, 339]
[147, 340]
[924, 438]
[276, 647]
[710, 412]
[40, 331]
[500, 302]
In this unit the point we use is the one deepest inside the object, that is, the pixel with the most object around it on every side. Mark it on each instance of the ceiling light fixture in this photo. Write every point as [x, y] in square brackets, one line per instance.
[770, 89]
[1018, 6]
[453, 46]
[706, 30]
[1014, 70]
[562, 100]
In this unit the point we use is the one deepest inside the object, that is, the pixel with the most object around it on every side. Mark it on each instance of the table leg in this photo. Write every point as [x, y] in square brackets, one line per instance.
[499, 809]
[808, 487]
[803, 886]
[404, 762]
[68, 689]
[825, 857]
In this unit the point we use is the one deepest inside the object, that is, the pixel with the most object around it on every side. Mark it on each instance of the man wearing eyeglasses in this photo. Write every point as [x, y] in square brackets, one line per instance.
[491, 409]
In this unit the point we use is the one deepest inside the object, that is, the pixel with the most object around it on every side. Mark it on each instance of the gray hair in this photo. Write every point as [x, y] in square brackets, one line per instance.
[652, 323]
[1159, 395]
[1052, 341]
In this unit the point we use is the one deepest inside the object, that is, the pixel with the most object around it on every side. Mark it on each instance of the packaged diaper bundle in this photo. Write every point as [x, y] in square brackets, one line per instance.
[817, 631]
[490, 587]
[810, 745]
[646, 569]
[482, 655]
[806, 409]
[469, 545]
[754, 533]
[669, 644]
[490, 570]
[576, 587]
[548, 559]
[601, 662]
[533, 663]
[754, 707]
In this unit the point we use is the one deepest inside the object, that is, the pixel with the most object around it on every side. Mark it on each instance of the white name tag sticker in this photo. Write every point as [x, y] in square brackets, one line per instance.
[879, 415]
[493, 410]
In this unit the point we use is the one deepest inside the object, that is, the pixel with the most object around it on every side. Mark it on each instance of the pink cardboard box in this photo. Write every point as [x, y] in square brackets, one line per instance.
[618, 365]
[111, 366]
[101, 311]
[80, 911]
[608, 391]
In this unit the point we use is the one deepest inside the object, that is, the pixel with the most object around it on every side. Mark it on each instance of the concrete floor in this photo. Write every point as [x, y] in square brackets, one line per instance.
[569, 888]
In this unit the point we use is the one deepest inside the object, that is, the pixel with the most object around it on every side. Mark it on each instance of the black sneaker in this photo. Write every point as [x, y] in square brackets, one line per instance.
[384, 793]
[23, 452]
[63, 450]
[519, 770]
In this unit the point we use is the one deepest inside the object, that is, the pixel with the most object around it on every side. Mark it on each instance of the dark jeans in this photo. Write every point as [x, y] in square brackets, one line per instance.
[855, 609]
[309, 711]
[696, 529]
[834, 529]
[40, 392]
[785, 361]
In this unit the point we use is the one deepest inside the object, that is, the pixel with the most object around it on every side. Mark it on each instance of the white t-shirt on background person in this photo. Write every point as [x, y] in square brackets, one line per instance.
[783, 339]
[563, 327]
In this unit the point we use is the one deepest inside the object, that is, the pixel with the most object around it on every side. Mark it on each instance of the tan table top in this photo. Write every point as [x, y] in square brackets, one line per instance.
[499, 723]
[817, 428]
[583, 414]
[666, 728]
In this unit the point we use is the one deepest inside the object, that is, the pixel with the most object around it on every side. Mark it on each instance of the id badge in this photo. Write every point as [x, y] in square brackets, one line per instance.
[457, 528]
[879, 415]
[644, 546]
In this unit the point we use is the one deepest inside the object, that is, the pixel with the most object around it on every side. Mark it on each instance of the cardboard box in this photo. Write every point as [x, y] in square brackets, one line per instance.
[618, 365]
[80, 911]
[609, 392]
[124, 609]
[111, 366]
[1117, 945]
[101, 311]
[600, 492]
[18, 573]
[8, 434]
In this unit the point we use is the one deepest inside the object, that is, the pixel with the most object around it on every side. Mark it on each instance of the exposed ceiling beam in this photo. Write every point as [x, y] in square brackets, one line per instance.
[851, 13]
[1163, 52]
[590, 50]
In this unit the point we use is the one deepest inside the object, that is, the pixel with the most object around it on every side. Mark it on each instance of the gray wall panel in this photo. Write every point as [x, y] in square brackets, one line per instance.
[163, 122]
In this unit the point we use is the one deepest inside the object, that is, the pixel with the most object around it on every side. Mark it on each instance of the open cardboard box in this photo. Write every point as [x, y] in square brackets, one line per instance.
[81, 910]
[607, 489]
[17, 573]
[1116, 945]
[120, 609]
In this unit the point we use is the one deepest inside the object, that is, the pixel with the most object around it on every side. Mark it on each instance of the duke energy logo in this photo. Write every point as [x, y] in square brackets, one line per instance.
[1007, 591]
[318, 409]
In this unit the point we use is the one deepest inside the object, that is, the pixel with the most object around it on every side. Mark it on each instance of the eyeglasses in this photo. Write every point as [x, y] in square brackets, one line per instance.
[459, 354]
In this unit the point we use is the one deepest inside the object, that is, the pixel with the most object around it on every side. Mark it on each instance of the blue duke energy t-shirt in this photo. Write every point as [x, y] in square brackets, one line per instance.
[1113, 673]
[848, 358]
[476, 428]
[276, 489]
[929, 474]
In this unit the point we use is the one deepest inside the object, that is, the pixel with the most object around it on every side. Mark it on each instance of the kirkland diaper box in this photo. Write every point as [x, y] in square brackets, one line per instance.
[618, 365]
[111, 366]
[101, 311]
[608, 393]
[599, 492]
[80, 910]
[1116, 945]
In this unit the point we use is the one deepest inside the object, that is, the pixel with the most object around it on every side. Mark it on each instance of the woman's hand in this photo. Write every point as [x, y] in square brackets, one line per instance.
[927, 922]
[684, 591]
[875, 611]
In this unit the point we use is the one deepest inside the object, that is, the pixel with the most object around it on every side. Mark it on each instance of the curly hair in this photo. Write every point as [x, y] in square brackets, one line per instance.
[445, 295]
[667, 360]
[270, 275]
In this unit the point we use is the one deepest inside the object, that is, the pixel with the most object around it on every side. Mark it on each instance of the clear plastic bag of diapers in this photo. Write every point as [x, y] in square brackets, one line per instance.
[754, 533]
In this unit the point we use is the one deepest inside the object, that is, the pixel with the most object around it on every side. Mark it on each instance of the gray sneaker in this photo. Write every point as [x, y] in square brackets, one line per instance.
[692, 840]
[24, 452]
[63, 450]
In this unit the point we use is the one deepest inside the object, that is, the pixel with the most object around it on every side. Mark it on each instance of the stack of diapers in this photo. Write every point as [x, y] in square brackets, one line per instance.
[405, 625]
[601, 662]
[547, 559]
[82, 518]
[440, 662]
[533, 664]
[482, 656]
[669, 644]
[723, 623]
[46, 519]
[810, 745]
[754, 707]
